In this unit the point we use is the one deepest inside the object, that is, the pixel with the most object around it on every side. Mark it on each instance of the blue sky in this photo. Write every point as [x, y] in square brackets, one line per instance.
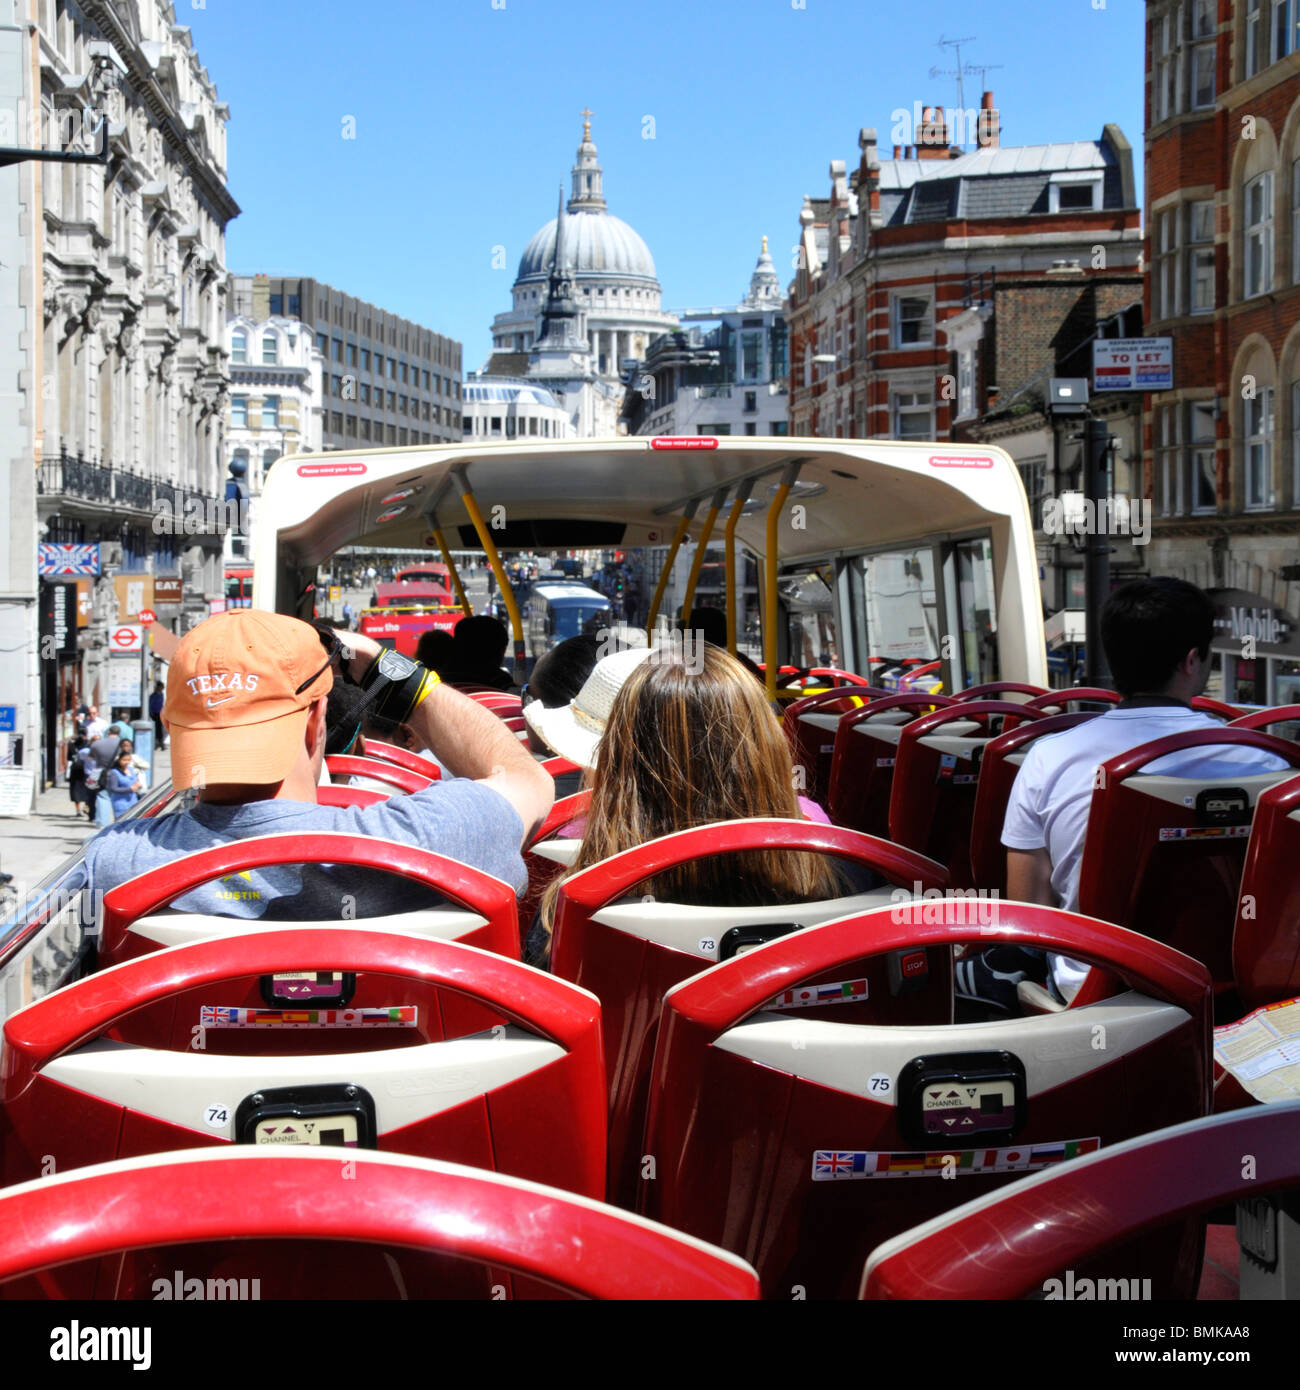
[467, 119]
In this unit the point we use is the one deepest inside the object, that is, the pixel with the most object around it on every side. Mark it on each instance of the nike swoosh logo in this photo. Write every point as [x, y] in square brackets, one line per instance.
[222, 701]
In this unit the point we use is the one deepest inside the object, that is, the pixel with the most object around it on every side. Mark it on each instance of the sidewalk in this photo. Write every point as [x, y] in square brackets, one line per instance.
[35, 845]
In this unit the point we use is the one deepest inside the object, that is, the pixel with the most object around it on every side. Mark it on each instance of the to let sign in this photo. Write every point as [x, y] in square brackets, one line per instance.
[1133, 364]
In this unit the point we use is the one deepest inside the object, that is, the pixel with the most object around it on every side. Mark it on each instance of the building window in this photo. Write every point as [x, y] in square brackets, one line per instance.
[271, 413]
[238, 348]
[336, 422]
[390, 434]
[1295, 222]
[1259, 235]
[270, 350]
[1259, 450]
[277, 305]
[1202, 57]
[1075, 193]
[322, 344]
[350, 422]
[1164, 95]
[467, 425]
[965, 383]
[352, 354]
[1295, 444]
[239, 412]
[269, 456]
[401, 405]
[1200, 266]
[751, 426]
[365, 429]
[751, 356]
[1033, 475]
[336, 385]
[1202, 483]
[1253, 20]
[365, 393]
[426, 379]
[392, 367]
[365, 359]
[911, 412]
[392, 400]
[336, 349]
[295, 307]
[751, 401]
[912, 327]
[1283, 40]
[1186, 457]
[779, 427]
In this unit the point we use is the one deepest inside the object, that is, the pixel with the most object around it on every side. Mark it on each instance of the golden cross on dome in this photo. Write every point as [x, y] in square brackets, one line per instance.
[586, 122]
[765, 246]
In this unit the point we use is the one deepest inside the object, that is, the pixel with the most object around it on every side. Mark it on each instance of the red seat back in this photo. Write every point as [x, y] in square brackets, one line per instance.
[336, 794]
[983, 692]
[1163, 854]
[401, 757]
[1266, 938]
[540, 869]
[525, 1096]
[630, 954]
[1209, 706]
[557, 767]
[388, 773]
[1269, 718]
[809, 725]
[1055, 701]
[409, 1228]
[1093, 1217]
[862, 764]
[997, 772]
[833, 673]
[936, 774]
[801, 1145]
[494, 925]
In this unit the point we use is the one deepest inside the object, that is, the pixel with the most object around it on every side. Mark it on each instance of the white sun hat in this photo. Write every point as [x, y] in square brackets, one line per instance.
[574, 730]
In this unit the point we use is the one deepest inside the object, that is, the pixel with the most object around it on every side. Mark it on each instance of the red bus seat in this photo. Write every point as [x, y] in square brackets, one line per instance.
[557, 767]
[833, 673]
[1266, 938]
[539, 859]
[134, 920]
[1000, 688]
[862, 765]
[409, 1228]
[802, 1143]
[1288, 715]
[1163, 854]
[336, 794]
[630, 953]
[809, 725]
[402, 757]
[998, 768]
[387, 774]
[1100, 1216]
[1216, 707]
[935, 779]
[1055, 701]
[524, 1097]
[498, 701]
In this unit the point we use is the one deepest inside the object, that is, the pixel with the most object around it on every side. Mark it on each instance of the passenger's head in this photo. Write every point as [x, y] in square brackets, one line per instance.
[480, 643]
[127, 746]
[435, 647]
[562, 672]
[343, 716]
[711, 623]
[246, 705]
[1157, 634]
[124, 758]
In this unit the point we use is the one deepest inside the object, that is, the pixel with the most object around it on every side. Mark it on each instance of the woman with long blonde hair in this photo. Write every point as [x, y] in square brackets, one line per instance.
[683, 745]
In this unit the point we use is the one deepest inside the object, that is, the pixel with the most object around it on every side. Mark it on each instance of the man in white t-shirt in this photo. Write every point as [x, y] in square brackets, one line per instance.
[1156, 634]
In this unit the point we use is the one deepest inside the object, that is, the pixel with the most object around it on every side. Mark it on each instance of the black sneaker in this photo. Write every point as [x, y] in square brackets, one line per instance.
[975, 979]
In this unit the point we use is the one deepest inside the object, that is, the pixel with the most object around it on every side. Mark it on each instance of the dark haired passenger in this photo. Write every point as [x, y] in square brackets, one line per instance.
[478, 649]
[556, 679]
[711, 623]
[434, 649]
[1156, 634]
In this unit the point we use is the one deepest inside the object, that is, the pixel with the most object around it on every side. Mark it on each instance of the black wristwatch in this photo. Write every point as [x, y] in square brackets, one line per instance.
[397, 681]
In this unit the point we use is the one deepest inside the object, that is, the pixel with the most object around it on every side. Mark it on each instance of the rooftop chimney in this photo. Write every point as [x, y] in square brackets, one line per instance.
[932, 137]
[989, 135]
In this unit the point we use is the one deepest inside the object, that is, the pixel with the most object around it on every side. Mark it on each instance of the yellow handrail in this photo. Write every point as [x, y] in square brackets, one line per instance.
[466, 606]
[498, 569]
[674, 547]
[688, 599]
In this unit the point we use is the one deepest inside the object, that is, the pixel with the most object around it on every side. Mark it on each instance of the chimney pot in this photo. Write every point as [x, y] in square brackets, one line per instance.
[986, 102]
[898, 151]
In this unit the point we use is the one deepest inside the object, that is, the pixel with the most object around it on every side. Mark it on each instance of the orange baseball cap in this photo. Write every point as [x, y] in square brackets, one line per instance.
[239, 691]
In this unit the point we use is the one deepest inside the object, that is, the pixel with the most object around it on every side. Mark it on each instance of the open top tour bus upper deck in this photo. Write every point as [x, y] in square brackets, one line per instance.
[801, 1074]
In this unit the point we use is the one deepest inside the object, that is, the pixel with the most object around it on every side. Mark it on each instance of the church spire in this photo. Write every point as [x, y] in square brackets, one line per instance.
[764, 284]
[587, 173]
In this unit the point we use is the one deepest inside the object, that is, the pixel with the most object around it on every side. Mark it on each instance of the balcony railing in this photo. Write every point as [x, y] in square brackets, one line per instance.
[72, 476]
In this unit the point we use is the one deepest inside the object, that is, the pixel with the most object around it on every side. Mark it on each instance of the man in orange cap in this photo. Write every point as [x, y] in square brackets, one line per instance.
[246, 710]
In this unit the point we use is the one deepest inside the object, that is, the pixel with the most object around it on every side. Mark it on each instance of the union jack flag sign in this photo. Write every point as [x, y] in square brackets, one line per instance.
[67, 559]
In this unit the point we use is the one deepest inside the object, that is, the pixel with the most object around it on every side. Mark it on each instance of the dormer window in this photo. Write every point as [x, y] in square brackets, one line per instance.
[1075, 191]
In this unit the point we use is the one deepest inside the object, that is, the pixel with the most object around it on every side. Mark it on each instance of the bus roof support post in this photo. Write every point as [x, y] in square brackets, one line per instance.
[729, 551]
[463, 598]
[687, 517]
[770, 559]
[688, 599]
[498, 569]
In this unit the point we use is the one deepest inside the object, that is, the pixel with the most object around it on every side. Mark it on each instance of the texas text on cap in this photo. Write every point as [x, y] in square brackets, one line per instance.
[239, 690]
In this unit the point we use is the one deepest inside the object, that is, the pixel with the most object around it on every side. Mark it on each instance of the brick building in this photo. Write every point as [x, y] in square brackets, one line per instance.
[1223, 226]
[891, 254]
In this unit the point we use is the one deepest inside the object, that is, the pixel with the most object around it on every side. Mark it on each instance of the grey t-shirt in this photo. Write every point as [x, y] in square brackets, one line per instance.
[455, 817]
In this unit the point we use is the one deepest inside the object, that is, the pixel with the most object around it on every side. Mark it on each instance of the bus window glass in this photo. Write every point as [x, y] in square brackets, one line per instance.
[979, 629]
[901, 606]
[570, 619]
[807, 598]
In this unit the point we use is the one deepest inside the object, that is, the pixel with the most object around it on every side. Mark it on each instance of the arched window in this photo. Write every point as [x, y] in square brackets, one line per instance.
[1256, 424]
[238, 347]
[270, 350]
[1257, 226]
[1254, 212]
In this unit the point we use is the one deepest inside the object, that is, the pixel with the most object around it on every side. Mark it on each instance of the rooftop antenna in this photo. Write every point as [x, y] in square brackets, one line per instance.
[962, 70]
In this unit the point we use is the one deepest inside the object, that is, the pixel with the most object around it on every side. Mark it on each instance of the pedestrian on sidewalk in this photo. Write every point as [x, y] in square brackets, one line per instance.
[124, 784]
[155, 713]
[80, 794]
[103, 755]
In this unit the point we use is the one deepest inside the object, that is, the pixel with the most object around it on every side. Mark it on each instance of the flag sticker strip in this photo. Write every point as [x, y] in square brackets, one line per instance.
[399, 1016]
[835, 1165]
[1204, 832]
[815, 996]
